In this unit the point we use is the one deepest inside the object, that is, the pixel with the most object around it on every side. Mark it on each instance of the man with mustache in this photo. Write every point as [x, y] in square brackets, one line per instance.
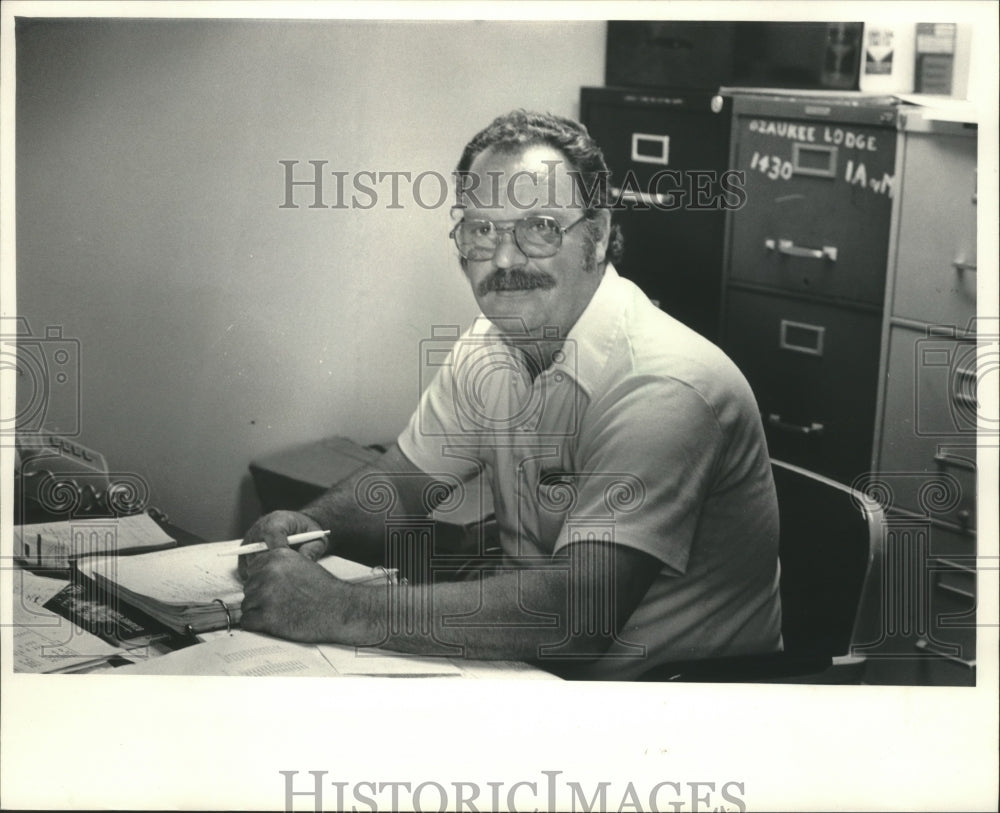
[627, 465]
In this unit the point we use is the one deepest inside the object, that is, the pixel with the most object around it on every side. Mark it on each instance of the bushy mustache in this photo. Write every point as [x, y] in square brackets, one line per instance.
[515, 279]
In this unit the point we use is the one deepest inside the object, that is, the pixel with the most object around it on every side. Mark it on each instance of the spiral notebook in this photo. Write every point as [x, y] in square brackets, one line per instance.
[195, 588]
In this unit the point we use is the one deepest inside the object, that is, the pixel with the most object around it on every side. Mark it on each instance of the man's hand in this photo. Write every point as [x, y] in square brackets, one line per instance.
[291, 597]
[274, 530]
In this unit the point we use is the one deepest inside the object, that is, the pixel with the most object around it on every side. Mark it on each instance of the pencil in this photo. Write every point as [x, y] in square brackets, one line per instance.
[260, 547]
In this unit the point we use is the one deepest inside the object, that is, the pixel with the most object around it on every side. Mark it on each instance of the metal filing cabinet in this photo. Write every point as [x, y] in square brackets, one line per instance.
[805, 270]
[667, 152]
[925, 473]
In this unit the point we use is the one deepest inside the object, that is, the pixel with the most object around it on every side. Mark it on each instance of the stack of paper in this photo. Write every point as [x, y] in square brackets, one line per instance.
[43, 640]
[242, 654]
[251, 654]
[56, 544]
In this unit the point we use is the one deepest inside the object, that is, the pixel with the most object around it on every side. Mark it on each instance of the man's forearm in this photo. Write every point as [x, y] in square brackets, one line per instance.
[572, 605]
[516, 615]
[355, 533]
[354, 510]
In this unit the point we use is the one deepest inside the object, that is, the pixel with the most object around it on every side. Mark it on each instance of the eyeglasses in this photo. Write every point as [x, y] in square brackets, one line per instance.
[536, 237]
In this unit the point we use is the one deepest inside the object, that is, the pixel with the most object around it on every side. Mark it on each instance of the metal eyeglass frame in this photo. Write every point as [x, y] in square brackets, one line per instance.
[512, 228]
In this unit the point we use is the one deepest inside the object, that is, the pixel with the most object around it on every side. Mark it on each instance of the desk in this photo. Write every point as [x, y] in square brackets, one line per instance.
[250, 654]
[70, 626]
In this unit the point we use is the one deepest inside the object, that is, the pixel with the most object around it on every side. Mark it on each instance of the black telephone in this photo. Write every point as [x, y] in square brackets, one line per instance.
[56, 478]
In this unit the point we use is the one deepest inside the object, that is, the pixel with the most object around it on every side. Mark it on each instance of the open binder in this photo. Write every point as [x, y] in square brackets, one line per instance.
[195, 588]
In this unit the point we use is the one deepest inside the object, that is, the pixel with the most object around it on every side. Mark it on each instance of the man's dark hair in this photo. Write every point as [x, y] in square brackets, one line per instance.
[519, 129]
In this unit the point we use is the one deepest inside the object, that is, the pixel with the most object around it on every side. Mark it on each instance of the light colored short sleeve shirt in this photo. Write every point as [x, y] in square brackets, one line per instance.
[642, 433]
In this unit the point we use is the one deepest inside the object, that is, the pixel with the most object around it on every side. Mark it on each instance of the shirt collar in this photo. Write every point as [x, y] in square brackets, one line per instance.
[590, 341]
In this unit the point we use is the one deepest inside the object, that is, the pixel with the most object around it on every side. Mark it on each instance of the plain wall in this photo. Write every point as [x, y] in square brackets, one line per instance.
[212, 324]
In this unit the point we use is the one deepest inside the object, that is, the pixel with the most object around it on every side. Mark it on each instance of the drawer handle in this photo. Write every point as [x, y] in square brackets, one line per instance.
[789, 248]
[943, 460]
[956, 590]
[962, 266]
[953, 565]
[797, 429]
[649, 198]
[924, 646]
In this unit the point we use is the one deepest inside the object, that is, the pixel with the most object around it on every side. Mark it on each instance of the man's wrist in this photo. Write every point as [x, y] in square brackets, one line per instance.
[362, 616]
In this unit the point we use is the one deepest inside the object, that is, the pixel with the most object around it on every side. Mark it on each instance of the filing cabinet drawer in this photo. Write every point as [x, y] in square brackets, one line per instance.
[953, 602]
[952, 544]
[927, 452]
[949, 648]
[923, 668]
[813, 368]
[676, 258]
[936, 258]
[818, 211]
[678, 131]
[668, 152]
[928, 608]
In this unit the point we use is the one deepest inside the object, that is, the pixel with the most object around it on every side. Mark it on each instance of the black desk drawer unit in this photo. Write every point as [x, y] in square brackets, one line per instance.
[667, 152]
[805, 271]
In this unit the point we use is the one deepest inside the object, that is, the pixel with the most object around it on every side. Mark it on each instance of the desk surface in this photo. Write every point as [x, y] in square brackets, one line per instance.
[47, 641]
[64, 626]
[68, 627]
[251, 654]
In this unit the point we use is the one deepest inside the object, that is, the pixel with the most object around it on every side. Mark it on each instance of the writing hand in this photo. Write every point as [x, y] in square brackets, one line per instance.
[291, 597]
[274, 529]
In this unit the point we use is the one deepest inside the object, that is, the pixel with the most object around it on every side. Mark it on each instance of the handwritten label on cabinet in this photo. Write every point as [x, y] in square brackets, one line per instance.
[815, 134]
[820, 158]
[772, 166]
[857, 174]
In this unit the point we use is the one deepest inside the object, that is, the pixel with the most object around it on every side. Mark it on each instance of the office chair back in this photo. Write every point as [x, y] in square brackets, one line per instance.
[831, 539]
[831, 549]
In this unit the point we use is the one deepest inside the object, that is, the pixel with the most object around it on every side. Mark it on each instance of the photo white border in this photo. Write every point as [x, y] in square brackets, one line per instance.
[147, 742]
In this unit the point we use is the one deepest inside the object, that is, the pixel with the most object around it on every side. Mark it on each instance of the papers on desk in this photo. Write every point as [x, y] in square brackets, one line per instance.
[240, 654]
[194, 588]
[367, 662]
[55, 544]
[44, 641]
[251, 654]
[350, 661]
